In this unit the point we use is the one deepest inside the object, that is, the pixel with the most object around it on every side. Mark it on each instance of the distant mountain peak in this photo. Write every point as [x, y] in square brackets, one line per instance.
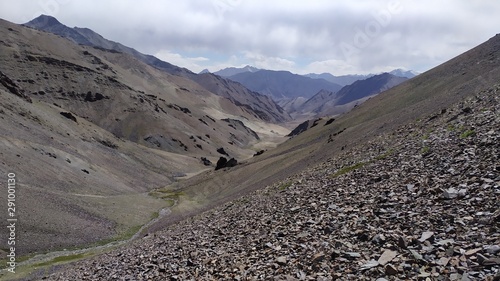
[251, 68]
[44, 21]
[230, 71]
[404, 73]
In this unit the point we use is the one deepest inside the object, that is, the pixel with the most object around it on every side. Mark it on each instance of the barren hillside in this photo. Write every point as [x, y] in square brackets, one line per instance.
[404, 186]
[88, 131]
[420, 202]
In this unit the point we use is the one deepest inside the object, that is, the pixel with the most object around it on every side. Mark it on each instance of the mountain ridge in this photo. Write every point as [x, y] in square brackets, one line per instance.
[282, 84]
[327, 103]
[91, 38]
[342, 80]
[98, 131]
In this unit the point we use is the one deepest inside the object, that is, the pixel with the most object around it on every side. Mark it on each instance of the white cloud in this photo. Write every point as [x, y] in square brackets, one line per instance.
[271, 63]
[194, 64]
[335, 67]
[294, 35]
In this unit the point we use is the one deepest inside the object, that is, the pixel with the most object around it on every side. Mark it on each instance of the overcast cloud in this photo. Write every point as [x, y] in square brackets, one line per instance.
[340, 37]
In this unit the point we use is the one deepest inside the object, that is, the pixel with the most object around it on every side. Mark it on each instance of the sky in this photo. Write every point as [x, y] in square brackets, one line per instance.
[314, 36]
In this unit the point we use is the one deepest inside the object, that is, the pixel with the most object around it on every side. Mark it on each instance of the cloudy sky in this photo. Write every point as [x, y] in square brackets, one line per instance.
[340, 37]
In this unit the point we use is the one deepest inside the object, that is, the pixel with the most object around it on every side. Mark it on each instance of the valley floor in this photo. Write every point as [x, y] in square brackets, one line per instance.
[421, 203]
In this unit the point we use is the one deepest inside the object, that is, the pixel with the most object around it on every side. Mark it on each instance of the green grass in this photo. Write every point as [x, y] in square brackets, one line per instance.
[61, 259]
[171, 197]
[467, 134]
[384, 155]
[154, 215]
[285, 185]
[348, 169]
[121, 236]
[425, 150]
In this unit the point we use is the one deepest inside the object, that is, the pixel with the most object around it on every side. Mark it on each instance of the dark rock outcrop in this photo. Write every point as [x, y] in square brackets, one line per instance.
[299, 129]
[69, 115]
[224, 163]
[259, 153]
[13, 87]
[222, 151]
[231, 163]
[205, 161]
[221, 163]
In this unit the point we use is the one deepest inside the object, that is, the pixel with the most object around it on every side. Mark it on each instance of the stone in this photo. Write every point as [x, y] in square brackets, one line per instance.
[318, 257]
[378, 239]
[450, 193]
[472, 251]
[370, 264]
[282, 260]
[494, 249]
[387, 256]
[402, 242]
[391, 270]
[416, 255]
[426, 235]
[352, 255]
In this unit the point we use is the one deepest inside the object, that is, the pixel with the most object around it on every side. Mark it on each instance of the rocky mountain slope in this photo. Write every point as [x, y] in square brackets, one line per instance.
[262, 105]
[327, 103]
[90, 132]
[317, 219]
[283, 84]
[419, 202]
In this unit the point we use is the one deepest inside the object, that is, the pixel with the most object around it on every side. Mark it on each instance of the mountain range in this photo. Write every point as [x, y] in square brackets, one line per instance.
[84, 36]
[113, 147]
[327, 103]
[345, 80]
[299, 95]
[342, 80]
[99, 128]
[282, 84]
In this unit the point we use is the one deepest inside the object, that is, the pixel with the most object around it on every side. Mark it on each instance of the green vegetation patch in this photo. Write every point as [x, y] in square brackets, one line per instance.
[425, 150]
[467, 133]
[61, 259]
[348, 169]
[171, 197]
[285, 185]
[385, 155]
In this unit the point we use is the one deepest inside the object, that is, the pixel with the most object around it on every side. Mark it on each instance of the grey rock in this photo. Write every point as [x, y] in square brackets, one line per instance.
[494, 249]
[387, 256]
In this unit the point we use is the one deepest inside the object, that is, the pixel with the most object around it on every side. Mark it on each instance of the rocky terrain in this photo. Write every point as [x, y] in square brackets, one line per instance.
[91, 131]
[420, 203]
[404, 186]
